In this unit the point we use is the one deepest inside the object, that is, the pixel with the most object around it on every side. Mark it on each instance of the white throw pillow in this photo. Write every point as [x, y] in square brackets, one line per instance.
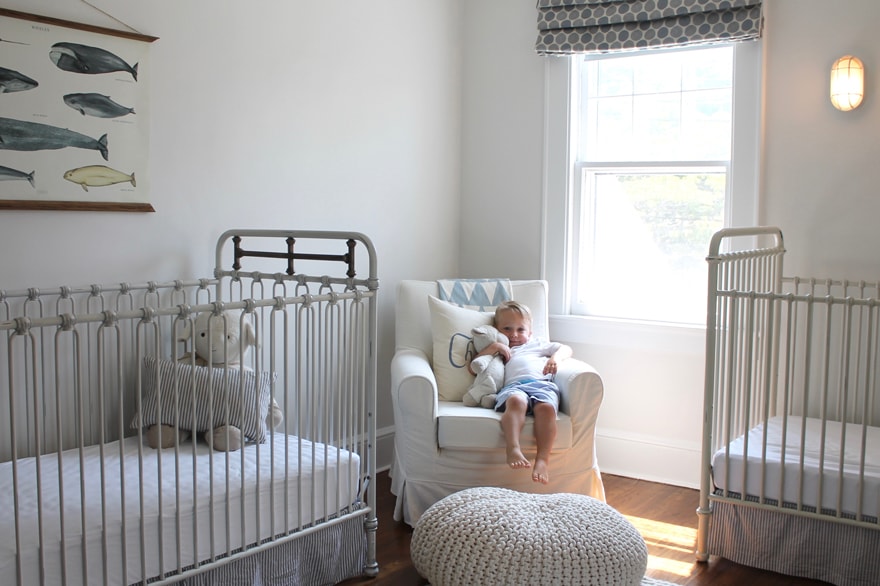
[451, 330]
[247, 410]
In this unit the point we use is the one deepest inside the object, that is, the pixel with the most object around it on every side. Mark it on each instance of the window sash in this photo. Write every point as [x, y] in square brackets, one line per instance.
[558, 220]
[636, 288]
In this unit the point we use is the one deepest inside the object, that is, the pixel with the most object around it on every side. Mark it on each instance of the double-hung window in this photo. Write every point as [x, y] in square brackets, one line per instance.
[662, 151]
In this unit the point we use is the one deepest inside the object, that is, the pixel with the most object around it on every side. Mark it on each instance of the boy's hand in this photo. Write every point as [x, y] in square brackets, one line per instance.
[493, 349]
[550, 367]
[502, 351]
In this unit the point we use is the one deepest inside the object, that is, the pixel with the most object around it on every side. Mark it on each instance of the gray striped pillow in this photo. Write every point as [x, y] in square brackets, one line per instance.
[196, 386]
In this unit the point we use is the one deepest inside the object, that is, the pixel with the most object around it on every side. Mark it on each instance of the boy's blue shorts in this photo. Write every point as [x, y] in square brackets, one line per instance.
[535, 391]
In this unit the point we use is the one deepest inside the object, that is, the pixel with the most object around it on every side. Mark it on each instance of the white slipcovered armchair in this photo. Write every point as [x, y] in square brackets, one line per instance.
[443, 446]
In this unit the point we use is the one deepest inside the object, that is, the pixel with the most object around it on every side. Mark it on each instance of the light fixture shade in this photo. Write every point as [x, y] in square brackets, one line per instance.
[847, 83]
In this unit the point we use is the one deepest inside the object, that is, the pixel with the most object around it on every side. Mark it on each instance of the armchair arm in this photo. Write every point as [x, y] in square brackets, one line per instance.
[582, 391]
[414, 397]
[413, 386]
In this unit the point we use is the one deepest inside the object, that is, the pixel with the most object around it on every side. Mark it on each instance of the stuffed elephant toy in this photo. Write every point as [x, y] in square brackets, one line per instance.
[489, 369]
[223, 349]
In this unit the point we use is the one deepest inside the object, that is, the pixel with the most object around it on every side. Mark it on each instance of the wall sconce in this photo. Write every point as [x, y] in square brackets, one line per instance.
[847, 83]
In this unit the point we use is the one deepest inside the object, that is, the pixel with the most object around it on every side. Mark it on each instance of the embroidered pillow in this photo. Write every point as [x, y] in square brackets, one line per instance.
[196, 387]
[452, 349]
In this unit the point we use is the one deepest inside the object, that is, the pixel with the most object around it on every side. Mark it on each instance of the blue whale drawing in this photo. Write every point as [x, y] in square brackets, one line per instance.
[96, 105]
[7, 174]
[18, 135]
[85, 59]
[13, 81]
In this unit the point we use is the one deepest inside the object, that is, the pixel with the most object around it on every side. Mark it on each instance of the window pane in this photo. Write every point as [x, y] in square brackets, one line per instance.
[706, 125]
[613, 79]
[657, 124]
[643, 239]
[711, 69]
[656, 74]
[673, 106]
[611, 120]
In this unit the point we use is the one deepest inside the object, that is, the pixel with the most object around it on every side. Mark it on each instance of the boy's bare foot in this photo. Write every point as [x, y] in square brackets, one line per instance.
[540, 473]
[516, 459]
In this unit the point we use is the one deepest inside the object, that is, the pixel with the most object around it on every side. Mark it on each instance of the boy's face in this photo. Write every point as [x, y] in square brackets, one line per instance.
[517, 329]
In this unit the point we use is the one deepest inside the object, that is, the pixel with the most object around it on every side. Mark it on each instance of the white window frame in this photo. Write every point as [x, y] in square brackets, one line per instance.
[560, 207]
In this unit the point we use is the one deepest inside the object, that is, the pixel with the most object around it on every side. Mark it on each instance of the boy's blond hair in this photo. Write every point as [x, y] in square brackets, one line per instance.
[516, 307]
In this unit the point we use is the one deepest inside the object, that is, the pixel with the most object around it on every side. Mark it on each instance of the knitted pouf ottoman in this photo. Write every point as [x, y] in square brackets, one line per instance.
[495, 536]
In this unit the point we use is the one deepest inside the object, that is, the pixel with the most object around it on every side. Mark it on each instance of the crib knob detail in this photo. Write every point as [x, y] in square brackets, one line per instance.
[22, 326]
[149, 313]
[68, 321]
[110, 318]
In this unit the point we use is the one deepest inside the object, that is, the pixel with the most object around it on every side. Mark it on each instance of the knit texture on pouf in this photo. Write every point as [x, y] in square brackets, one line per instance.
[495, 536]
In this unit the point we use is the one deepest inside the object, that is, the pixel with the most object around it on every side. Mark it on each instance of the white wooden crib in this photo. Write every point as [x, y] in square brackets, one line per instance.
[791, 444]
[85, 500]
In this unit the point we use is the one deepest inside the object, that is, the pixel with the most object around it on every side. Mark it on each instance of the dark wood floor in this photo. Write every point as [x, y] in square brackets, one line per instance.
[665, 515]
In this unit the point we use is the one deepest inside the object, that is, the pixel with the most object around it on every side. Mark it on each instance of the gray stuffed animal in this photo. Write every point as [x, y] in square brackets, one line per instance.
[223, 345]
[489, 369]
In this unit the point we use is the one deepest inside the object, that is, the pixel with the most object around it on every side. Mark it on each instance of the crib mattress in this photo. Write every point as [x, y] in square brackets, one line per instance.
[782, 477]
[282, 485]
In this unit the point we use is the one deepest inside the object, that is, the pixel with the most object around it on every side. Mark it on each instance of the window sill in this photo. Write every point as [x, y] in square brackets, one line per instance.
[631, 334]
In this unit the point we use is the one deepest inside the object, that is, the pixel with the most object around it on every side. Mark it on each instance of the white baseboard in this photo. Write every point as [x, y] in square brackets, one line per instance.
[384, 448]
[620, 453]
[648, 458]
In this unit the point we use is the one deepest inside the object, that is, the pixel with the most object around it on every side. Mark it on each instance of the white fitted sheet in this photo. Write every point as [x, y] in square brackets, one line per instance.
[335, 473]
[834, 484]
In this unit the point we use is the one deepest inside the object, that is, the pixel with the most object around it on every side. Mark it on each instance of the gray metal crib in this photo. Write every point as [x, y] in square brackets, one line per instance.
[790, 478]
[85, 372]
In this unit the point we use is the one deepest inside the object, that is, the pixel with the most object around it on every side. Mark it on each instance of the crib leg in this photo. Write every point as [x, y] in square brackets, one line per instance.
[702, 550]
[371, 524]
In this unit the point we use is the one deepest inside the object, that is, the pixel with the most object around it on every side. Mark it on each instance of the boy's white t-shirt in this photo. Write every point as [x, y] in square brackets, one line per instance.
[527, 361]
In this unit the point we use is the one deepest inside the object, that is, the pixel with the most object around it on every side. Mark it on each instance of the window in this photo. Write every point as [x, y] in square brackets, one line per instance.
[653, 138]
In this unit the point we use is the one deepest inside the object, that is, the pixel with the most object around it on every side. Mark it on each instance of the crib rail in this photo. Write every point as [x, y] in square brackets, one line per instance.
[75, 378]
[55, 323]
[791, 381]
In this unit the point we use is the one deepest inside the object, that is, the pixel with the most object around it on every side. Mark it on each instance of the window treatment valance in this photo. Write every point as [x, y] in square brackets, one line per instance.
[593, 26]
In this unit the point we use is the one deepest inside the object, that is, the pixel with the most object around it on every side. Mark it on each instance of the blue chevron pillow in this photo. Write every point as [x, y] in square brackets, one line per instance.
[477, 294]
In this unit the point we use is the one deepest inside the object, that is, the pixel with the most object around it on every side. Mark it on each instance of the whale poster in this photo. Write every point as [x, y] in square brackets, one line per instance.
[74, 116]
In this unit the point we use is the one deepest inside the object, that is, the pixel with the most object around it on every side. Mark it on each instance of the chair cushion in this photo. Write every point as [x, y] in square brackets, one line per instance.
[451, 330]
[473, 428]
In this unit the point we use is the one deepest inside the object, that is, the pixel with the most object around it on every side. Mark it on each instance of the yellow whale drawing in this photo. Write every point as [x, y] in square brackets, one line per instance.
[98, 176]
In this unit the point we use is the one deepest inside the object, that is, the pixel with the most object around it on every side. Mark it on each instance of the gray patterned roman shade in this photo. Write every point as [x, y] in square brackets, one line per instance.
[594, 26]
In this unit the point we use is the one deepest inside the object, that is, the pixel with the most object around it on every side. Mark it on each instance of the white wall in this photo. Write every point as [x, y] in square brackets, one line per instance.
[503, 125]
[821, 167]
[420, 123]
[819, 177]
[294, 114]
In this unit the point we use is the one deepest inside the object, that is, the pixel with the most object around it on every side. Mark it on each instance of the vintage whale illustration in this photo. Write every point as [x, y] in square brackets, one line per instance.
[7, 174]
[98, 176]
[18, 135]
[85, 59]
[96, 105]
[13, 81]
